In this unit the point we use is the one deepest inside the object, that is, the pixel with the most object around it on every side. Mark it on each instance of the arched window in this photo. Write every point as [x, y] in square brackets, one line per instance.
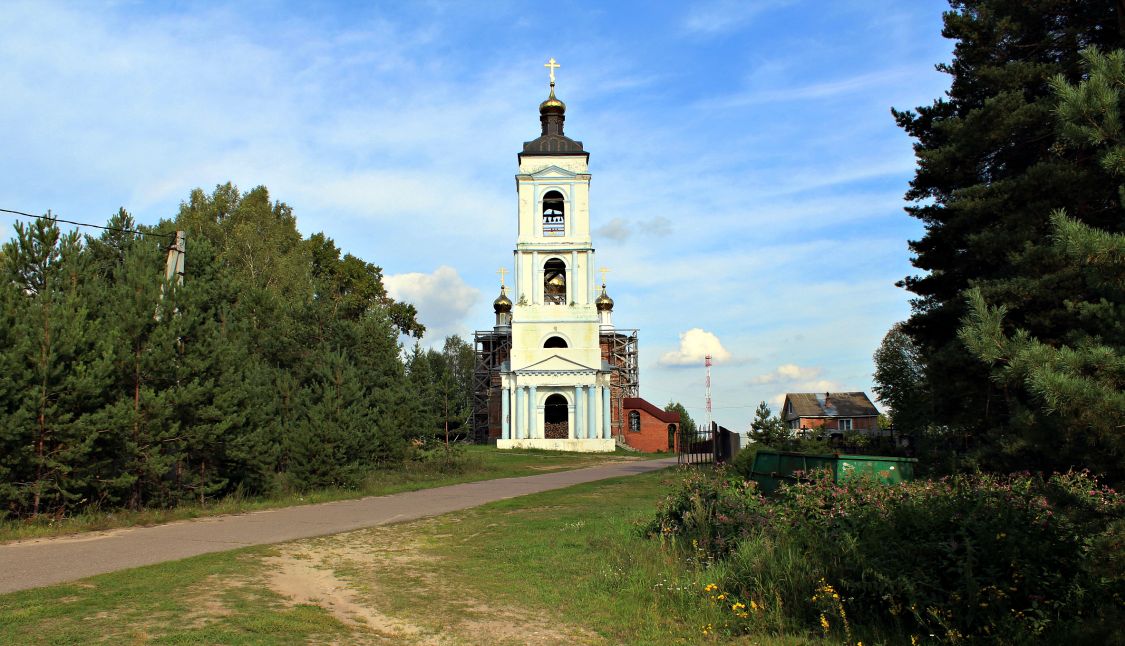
[635, 421]
[554, 219]
[554, 282]
[555, 342]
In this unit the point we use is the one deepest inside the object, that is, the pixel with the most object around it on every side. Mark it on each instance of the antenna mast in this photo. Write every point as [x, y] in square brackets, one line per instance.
[707, 363]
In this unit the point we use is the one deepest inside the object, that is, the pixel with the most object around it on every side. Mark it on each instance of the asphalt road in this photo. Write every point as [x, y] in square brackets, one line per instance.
[40, 562]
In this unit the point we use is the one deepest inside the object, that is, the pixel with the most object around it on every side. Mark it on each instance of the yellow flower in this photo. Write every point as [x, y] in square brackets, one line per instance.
[753, 605]
[913, 641]
[824, 622]
[721, 597]
[711, 587]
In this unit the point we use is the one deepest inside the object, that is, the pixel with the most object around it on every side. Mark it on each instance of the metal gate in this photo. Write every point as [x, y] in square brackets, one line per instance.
[697, 447]
[715, 446]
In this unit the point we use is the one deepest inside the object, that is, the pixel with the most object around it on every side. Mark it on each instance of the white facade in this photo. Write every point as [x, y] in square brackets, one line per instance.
[555, 368]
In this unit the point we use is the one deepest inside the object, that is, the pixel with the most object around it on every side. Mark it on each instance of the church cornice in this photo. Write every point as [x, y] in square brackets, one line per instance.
[547, 247]
[555, 373]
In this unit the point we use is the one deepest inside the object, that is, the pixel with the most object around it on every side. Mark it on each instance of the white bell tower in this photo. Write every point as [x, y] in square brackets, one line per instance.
[556, 388]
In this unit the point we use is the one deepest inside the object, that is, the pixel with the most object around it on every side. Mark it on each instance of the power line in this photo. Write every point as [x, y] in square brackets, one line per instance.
[94, 226]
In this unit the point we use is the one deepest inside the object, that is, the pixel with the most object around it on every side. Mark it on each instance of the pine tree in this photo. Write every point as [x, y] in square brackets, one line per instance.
[767, 429]
[990, 172]
[1078, 385]
[57, 373]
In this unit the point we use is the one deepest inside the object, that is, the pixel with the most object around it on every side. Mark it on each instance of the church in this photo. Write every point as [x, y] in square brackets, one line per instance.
[554, 372]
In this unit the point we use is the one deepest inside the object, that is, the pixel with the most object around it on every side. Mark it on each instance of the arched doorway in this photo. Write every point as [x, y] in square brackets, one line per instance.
[555, 418]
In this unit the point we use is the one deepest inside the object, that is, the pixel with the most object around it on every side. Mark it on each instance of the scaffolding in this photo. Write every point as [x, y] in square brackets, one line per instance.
[619, 351]
[492, 351]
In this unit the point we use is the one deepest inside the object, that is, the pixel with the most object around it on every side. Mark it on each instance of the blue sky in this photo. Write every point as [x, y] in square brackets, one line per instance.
[747, 175]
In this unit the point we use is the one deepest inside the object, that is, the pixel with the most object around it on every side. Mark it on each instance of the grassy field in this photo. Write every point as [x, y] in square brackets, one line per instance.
[561, 567]
[478, 463]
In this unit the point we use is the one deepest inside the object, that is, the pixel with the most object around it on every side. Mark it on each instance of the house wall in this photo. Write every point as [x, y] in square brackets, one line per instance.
[653, 435]
[858, 423]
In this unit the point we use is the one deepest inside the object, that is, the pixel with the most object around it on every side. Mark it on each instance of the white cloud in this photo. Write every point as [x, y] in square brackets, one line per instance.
[616, 229]
[835, 87]
[787, 372]
[695, 344]
[619, 229]
[725, 15]
[442, 298]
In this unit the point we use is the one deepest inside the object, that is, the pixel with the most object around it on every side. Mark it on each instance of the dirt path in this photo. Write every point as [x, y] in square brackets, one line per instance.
[358, 578]
[41, 562]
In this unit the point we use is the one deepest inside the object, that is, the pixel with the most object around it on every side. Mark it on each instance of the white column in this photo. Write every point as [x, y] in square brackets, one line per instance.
[532, 414]
[505, 409]
[590, 287]
[571, 422]
[517, 426]
[592, 412]
[572, 278]
[516, 276]
[536, 277]
[607, 426]
[579, 430]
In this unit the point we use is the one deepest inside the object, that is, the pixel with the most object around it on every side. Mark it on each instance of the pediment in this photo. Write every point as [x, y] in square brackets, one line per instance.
[553, 172]
[555, 363]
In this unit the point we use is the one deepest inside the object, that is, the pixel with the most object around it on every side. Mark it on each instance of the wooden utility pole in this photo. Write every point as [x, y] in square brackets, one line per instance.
[174, 267]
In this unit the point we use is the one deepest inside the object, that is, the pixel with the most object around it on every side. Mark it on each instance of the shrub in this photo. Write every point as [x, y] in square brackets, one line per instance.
[711, 510]
[1009, 559]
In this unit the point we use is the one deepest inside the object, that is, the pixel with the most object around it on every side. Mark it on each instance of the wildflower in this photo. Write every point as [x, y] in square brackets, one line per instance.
[738, 606]
[913, 641]
[753, 605]
[824, 623]
[710, 587]
[721, 597]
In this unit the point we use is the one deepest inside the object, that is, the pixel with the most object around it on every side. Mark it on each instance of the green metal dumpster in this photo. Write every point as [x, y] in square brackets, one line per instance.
[771, 468]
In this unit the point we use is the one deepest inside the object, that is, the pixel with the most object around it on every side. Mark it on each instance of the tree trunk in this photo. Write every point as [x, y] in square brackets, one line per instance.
[40, 448]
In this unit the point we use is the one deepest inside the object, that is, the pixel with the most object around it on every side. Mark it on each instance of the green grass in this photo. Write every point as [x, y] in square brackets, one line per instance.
[578, 553]
[568, 560]
[169, 603]
[480, 463]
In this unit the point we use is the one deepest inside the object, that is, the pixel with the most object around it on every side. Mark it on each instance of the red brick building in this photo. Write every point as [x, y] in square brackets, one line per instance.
[831, 412]
[649, 428]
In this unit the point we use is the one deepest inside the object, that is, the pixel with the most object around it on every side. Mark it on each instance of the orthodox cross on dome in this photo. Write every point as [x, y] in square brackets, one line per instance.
[603, 271]
[502, 271]
[552, 65]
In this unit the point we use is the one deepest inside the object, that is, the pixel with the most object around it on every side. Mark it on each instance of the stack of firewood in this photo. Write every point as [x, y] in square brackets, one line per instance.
[556, 431]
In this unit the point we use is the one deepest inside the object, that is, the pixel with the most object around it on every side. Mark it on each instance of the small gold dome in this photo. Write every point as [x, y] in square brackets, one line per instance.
[502, 304]
[604, 303]
[552, 104]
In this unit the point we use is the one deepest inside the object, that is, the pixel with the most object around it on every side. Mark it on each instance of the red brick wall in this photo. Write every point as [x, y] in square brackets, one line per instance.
[653, 436]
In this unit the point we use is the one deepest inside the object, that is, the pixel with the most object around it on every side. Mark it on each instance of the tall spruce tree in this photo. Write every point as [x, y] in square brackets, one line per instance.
[1075, 387]
[990, 172]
